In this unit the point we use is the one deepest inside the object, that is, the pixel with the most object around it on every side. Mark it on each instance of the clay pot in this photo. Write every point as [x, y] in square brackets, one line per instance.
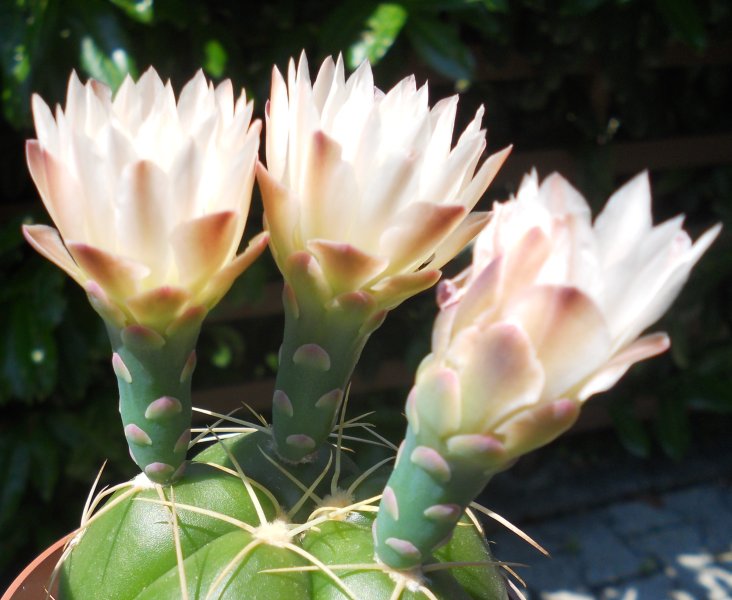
[32, 583]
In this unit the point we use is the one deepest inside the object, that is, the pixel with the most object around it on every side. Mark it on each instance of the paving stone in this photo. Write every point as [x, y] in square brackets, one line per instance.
[698, 503]
[565, 595]
[668, 544]
[605, 557]
[509, 547]
[657, 587]
[725, 492]
[562, 572]
[630, 518]
[702, 575]
[717, 533]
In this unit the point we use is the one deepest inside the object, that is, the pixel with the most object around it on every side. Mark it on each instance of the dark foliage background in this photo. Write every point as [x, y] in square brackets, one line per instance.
[572, 83]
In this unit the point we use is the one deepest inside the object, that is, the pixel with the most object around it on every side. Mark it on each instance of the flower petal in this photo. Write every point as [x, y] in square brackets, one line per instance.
[47, 242]
[537, 425]
[201, 246]
[437, 400]
[625, 219]
[416, 233]
[482, 179]
[280, 212]
[456, 241]
[62, 192]
[144, 216]
[602, 380]
[277, 131]
[328, 183]
[392, 291]
[220, 283]
[346, 267]
[156, 308]
[119, 277]
[499, 374]
[567, 331]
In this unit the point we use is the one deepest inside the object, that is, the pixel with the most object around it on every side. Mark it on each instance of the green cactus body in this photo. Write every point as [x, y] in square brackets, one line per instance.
[154, 378]
[427, 493]
[321, 346]
[286, 549]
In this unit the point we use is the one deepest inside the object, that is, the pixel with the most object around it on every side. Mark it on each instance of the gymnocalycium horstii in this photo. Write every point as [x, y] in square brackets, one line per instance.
[365, 199]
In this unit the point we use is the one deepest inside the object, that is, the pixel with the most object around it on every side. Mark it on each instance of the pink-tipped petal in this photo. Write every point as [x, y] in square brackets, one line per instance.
[392, 291]
[455, 242]
[201, 246]
[280, 211]
[418, 231]
[346, 267]
[63, 193]
[156, 308]
[499, 374]
[568, 333]
[537, 425]
[307, 279]
[220, 283]
[119, 277]
[47, 242]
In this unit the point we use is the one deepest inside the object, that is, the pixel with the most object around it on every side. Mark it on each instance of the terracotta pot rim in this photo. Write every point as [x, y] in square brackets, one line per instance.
[38, 562]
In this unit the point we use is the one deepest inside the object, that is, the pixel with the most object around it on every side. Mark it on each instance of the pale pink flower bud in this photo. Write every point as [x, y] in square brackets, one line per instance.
[150, 196]
[368, 183]
[549, 313]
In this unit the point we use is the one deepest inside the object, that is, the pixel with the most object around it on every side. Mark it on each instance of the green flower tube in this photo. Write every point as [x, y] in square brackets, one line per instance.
[154, 377]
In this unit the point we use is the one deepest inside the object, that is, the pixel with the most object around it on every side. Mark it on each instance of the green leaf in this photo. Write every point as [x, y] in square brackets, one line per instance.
[215, 58]
[139, 10]
[110, 69]
[384, 26]
[441, 48]
[344, 24]
[499, 6]
[24, 31]
[684, 20]
[103, 49]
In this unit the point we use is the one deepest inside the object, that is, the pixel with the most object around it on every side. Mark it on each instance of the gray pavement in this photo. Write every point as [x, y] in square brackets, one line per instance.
[678, 546]
[617, 526]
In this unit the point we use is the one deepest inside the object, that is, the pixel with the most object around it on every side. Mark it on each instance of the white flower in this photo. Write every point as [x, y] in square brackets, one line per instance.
[150, 196]
[550, 312]
[367, 183]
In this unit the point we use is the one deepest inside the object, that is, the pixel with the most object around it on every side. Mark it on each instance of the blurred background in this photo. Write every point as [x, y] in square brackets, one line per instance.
[596, 89]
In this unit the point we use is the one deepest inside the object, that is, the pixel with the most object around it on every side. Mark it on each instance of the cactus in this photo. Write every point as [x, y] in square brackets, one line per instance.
[363, 207]
[235, 526]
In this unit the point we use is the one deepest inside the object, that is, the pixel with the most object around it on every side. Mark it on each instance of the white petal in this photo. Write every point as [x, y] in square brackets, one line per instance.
[144, 217]
[277, 130]
[609, 374]
[625, 219]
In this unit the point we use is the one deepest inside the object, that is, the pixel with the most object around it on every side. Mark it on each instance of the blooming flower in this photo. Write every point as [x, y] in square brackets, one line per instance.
[150, 196]
[366, 183]
[548, 314]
